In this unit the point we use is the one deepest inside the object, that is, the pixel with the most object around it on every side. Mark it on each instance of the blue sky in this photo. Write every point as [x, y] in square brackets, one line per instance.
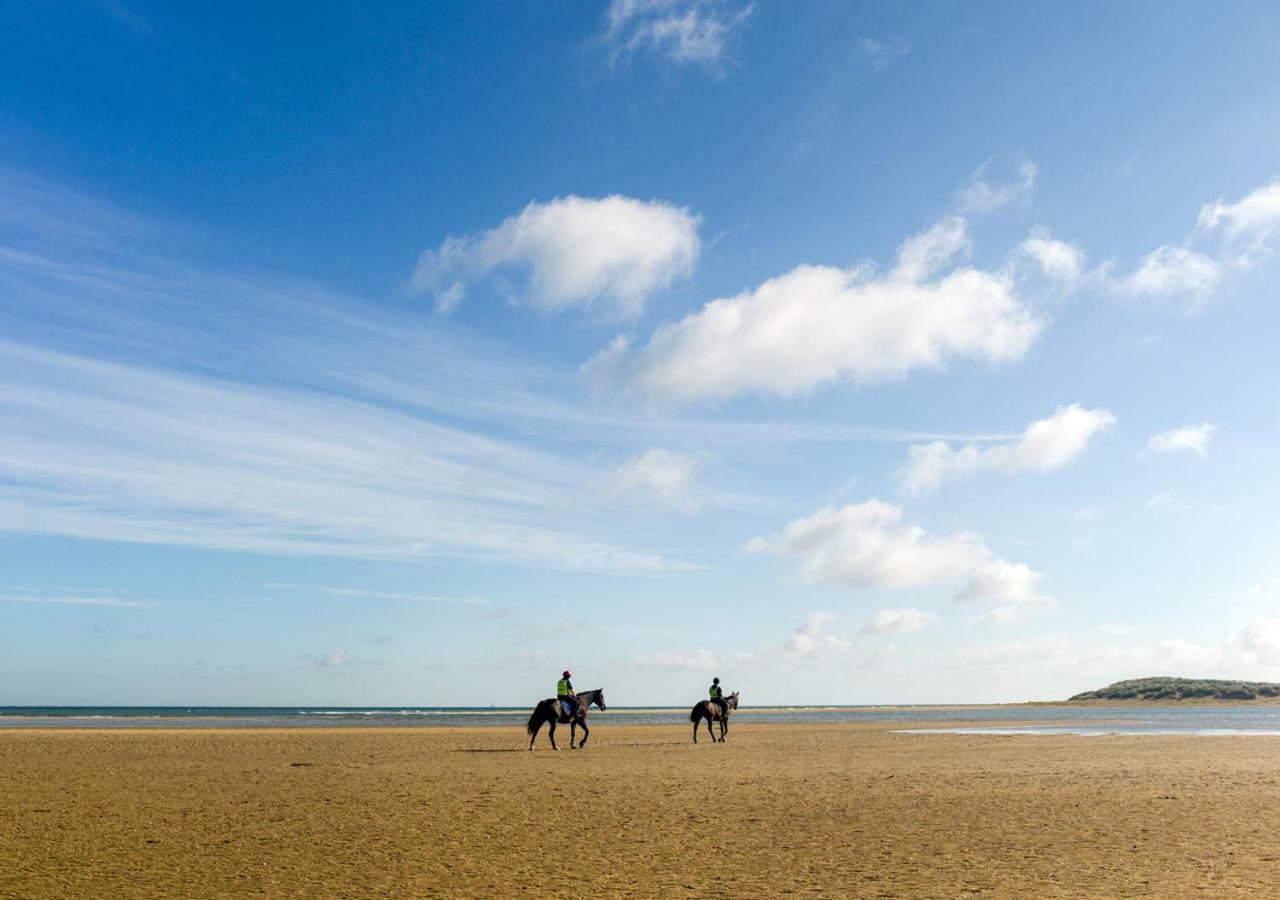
[853, 353]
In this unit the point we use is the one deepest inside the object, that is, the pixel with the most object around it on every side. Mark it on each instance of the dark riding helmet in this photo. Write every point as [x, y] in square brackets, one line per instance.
[568, 674]
[715, 680]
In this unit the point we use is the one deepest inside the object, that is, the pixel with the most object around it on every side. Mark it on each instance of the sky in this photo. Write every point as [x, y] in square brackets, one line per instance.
[853, 353]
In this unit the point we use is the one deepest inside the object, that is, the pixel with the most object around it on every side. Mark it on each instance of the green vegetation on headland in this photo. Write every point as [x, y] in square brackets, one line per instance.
[1183, 689]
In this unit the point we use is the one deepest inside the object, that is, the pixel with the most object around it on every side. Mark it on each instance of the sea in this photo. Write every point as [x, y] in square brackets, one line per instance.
[1006, 720]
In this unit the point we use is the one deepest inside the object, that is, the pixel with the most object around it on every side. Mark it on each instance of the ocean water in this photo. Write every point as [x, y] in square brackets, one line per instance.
[994, 720]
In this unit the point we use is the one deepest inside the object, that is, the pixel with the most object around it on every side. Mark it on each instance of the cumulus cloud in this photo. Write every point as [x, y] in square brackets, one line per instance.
[607, 254]
[898, 621]
[998, 182]
[658, 473]
[819, 324]
[1250, 221]
[1046, 444]
[1011, 585]
[1173, 270]
[1188, 438]
[810, 640]
[868, 545]
[1057, 260]
[678, 32]
[1227, 237]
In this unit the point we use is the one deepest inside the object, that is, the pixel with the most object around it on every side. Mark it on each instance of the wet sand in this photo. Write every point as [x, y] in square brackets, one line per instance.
[820, 810]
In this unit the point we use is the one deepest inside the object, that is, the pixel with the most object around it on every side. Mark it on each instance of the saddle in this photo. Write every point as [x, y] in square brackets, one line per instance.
[562, 718]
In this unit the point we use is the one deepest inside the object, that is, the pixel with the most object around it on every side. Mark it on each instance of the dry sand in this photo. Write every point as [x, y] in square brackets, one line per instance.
[823, 810]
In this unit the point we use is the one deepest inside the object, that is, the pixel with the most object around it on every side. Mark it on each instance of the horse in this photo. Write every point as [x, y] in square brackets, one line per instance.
[548, 712]
[710, 710]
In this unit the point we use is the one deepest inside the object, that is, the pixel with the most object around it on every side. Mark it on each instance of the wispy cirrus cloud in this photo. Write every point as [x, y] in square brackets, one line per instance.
[898, 621]
[700, 660]
[107, 450]
[701, 33]
[999, 181]
[81, 600]
[880, 53]
[658, 473]
[168, 404]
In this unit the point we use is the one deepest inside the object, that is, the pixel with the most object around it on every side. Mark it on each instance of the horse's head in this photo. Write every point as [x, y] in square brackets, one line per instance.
[732, 700]
[599, 699]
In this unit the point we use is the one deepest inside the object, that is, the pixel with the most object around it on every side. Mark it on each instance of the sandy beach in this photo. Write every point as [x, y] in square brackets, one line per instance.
[821, 810]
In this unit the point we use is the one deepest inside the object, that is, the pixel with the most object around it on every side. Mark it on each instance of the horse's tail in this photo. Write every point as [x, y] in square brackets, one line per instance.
[536, 718]
[696, 713]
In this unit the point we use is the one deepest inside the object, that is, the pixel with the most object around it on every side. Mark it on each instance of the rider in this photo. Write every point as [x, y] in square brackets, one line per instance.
[717, 696]
[564, 693]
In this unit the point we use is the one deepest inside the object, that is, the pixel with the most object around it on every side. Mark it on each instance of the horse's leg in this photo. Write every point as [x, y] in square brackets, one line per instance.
[533, 737]
[710, 733]
[573, 734]
[696, 723]
[586, 733]
[724, 726]
[552, 732]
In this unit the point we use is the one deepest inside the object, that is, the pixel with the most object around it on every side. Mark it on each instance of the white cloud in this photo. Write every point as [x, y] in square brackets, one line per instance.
[998, 182]
[1012, 585]
[1173, 270]
[1253, 220]
[1046, 444]
[1188, 438]
[608, 254]
[1057, 260]
[449, 298]
[80, 601]
[658, 473]
[819, 324]
[679, 32]
[693, 660]
[867, 545]
[1258, 640]
[1242, 233]
[363, 594]
[333, 658]
[898, 621]
[1250, 651]
[523, 659]
[881, 53]
[809, 640]
[1166, 501]
[104, 450]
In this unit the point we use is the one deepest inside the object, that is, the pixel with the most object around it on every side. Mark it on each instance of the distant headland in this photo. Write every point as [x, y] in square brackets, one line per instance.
[1201, 689]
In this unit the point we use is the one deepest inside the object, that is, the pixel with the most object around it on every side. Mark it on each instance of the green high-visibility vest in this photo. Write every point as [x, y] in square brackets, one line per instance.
[715, 692]
[562, 687]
